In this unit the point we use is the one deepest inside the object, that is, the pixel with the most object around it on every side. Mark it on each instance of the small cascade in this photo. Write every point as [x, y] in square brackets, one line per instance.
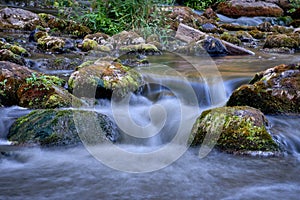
[286, 130]
[8, 116]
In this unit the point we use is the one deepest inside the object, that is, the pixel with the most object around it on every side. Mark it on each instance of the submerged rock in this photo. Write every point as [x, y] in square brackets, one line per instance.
[62, 127]
[274, 91]
[233, 129]
[102, 78]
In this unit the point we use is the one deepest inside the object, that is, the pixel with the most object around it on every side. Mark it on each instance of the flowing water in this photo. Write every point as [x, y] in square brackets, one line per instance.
[178, 90]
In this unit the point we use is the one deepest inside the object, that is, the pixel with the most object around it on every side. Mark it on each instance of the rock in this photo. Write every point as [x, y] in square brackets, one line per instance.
[214, 46]
[238, 130]
[11, 77]
[265, 27]
[210, 14]
[144, 49]
[77, 29]
[236, 27]
[64, 26]
[258, 34]
[14, 48]
[249, 8]
[244, 36]
[62, 127]
[281, 40]
[231, 38]
[281, 50]
[188, 34]
[102, 79]
[15, 18]
[185, 15]
[209, 28]
[7, 55]
[21, 86]
[100, 38]
[42, 91]
[37, 34]
[88, 44]
[274, 91]
[125, 38]
[50, 43]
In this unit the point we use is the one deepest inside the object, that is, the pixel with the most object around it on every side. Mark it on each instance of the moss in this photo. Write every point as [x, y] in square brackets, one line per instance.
[231, 38]
[88, 44]
[147, 49]
[57, 128]
[236, 129]
[281, 40]
[258, 34]
[273, 91]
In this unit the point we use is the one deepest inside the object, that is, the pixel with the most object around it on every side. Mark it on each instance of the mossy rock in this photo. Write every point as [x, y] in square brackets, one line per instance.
[145, 49]
[103, 78]
[244, 36]
[43, 91]
[7, 55]
[14, 48]
[88, 44]
[274, 91]
[231, 38]
[50, 43]
[77, 29]
[280, 40]
[61, 127]
[11, 77]
[233, 129]
[258, 34]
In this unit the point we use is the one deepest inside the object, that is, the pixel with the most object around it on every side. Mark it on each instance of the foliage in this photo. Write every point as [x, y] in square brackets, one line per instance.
[2, 85]
[201, 5]
[295, 4]
[44, 80]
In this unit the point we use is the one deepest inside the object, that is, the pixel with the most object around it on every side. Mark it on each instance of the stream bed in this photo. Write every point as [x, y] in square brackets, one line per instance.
[74, 173]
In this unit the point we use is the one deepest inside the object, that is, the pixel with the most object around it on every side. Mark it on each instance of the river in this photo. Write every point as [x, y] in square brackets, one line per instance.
[77, 173]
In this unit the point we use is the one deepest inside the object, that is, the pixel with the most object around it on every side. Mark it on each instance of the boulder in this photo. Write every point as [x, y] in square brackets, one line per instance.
[103, 78]
[239, 130]
[274, 91]
[21, 86]
[50, 43]
[62, 127]
[281, 40]
[7, 55]
[11, 77]
[15, 18]
[249, 8]
[179, 14]
[125, 38]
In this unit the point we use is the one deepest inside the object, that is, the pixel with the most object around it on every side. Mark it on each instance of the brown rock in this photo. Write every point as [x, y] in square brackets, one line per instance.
[250, 8]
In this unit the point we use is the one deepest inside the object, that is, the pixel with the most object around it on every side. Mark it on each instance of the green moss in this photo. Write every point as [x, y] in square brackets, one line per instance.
[230, 38]
[56, 127]
[88, 44]
[236, 129]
